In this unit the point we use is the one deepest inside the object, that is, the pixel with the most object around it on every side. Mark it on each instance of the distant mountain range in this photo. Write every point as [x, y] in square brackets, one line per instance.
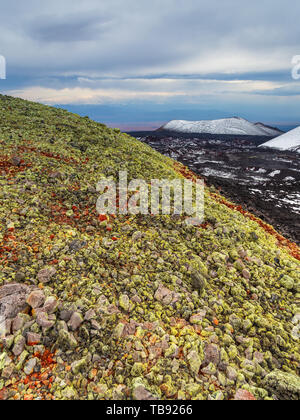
[226, 126]
[288, 141]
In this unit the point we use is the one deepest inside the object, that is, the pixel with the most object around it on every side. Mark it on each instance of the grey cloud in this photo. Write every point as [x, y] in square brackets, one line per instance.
[67, 28]
[282, 91]
[267, 76]
[138, 36]
[52, 44]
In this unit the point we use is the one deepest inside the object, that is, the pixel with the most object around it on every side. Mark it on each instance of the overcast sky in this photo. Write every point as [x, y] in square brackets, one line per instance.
[233, 56]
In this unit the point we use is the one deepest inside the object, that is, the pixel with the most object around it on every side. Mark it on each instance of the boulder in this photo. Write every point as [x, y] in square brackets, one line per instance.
[36, 299]
[45, 275]
[140, 393]
[13, 300]
[75, 321]
[285, 386]
[165, 295]
[199, 282]
[244, 395]
[212, 355]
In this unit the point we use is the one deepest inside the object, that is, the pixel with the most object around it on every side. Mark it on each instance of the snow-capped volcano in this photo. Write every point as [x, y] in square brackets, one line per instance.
[235, 126]
[270, 131]
[288, 141]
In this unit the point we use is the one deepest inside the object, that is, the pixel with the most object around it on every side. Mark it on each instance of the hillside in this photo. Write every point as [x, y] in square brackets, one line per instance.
[288, 141]
[135, 307]
[226, 126]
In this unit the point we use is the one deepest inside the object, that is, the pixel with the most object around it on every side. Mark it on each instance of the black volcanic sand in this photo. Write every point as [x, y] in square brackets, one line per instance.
[266, 182]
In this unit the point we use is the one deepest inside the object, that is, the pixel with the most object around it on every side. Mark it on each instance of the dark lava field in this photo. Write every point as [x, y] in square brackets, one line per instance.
[266, 182]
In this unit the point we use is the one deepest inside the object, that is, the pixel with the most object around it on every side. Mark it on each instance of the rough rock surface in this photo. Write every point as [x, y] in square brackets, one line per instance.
[13, 300]
[45, 275]
[244, 395]
[285, 386]
[140, 393]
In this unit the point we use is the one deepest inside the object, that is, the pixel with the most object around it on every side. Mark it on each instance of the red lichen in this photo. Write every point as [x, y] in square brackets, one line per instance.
[8, 249]
[39, 383]
[9, 169]
[46, 358]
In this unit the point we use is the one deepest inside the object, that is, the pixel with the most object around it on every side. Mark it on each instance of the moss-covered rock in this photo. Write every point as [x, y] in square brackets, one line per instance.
[285, 386]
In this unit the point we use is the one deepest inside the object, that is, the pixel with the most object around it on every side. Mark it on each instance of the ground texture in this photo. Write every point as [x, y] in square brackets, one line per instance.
[132, 307]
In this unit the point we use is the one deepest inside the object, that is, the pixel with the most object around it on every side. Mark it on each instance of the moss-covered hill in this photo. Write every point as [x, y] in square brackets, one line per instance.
[135, 307]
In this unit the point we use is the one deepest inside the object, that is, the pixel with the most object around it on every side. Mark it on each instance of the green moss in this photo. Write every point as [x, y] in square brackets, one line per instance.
[114, 268]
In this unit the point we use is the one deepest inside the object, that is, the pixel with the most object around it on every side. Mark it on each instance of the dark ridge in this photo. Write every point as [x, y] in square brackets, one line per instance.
[159, 134]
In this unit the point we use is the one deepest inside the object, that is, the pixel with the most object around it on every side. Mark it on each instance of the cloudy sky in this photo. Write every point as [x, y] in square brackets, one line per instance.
[138, 63]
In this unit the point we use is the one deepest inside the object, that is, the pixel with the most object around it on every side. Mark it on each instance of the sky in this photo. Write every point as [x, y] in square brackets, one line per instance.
[136, 64]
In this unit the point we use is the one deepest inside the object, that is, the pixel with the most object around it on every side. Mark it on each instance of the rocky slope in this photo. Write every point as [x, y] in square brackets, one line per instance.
[264, 181]
[229, 126]
[132, 307]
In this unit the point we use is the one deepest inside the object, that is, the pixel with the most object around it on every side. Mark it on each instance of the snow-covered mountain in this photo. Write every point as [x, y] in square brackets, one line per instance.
[270, 131]
[235, 126]
[288, 141]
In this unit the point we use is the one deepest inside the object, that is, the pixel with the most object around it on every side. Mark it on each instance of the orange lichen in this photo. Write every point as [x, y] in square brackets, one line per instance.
[9, 169]
[8, 249]
[40, 382]
[24, 149]
[46, 358]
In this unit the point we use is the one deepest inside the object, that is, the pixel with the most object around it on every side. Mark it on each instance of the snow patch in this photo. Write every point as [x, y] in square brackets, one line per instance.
[235, 126]
[274, 173]
[217, 174]
[288, 141]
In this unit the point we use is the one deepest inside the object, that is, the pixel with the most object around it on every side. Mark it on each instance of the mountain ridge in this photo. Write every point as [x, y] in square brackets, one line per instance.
[234, 125]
